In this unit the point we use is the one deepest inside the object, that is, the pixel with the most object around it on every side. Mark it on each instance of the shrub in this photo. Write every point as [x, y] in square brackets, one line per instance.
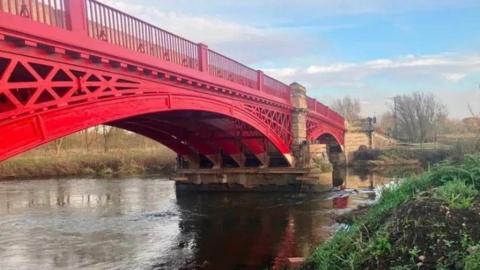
[323, 165]
[457, 194]
[367, 154]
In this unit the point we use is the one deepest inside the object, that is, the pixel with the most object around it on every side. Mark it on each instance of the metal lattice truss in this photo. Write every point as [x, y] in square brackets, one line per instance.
[29, 86]
[278, 121]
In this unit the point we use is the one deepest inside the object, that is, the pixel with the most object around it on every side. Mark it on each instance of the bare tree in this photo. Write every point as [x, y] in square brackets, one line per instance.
[386, 125]
[107, 133]
[89, 137]
[348, 107]
[58, 145]
[473, 124]
[418, 117]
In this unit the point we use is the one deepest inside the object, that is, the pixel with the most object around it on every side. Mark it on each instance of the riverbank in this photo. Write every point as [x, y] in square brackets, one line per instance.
[427, 222]
[115, 163]
[426, 155]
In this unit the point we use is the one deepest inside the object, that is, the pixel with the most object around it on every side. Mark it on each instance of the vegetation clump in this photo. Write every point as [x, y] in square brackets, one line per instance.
[457, 194]
[427, 222]
[322, 164]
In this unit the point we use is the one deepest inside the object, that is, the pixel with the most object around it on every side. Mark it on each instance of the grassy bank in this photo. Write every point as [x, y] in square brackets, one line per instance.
[427, 222]
[48, 164]
[426, 154]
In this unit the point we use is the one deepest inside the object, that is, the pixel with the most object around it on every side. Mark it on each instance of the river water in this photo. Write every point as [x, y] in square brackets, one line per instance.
[144, 224]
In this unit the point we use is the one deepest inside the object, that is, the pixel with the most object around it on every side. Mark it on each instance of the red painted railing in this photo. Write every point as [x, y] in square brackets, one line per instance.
[274, 87]
[51, 12]
[113, 26]
[101, 22]
[320, 108]
[223, 67]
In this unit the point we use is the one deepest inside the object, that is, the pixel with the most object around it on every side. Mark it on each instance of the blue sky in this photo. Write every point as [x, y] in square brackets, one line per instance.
[367, 49]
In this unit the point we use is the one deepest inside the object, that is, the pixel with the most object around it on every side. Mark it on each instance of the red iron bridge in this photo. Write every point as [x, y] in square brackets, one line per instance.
[67, 65]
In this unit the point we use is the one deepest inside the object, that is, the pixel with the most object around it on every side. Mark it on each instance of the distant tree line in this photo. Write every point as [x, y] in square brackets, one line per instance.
[416, 117]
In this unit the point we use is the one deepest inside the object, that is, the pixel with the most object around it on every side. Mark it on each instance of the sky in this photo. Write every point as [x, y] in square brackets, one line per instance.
[371, 50]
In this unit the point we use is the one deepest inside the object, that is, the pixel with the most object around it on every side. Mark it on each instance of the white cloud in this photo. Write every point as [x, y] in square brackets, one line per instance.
[280, 72]
[249, 44]
[329, 69]
[407, 62]
[414, 64]
[454, 77]
[375, 81]
[209, 30]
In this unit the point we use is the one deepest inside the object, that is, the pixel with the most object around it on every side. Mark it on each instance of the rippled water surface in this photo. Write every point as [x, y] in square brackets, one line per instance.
[143, 224]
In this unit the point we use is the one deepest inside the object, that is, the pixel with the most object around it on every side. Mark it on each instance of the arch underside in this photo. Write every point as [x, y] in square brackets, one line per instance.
[325, 133]
[331, 136]
[42, 100]
[200, 135]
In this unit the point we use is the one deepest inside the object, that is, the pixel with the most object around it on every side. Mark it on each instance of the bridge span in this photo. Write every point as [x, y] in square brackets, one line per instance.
[67, 65]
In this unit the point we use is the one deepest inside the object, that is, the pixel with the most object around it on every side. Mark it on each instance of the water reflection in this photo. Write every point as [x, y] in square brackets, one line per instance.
[144, 224]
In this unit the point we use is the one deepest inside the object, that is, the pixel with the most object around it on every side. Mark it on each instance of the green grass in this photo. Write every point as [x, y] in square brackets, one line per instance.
[353, 246]
[457, 194]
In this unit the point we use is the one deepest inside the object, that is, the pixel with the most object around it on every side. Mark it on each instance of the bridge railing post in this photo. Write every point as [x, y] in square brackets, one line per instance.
[76, 14]
[260, 78]
[203, 57]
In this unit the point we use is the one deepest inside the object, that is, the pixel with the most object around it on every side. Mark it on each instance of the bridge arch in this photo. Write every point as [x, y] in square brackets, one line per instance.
[26, 133]
[331, 141]
[43, 99]
[334, 145]
[318, 128]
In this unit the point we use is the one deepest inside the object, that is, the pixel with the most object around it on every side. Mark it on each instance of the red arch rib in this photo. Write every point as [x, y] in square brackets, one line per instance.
[20, 135]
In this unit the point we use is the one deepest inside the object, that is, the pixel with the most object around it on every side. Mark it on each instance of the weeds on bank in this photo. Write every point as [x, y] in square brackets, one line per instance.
[322, 164]
[457, 194]
[367, 239]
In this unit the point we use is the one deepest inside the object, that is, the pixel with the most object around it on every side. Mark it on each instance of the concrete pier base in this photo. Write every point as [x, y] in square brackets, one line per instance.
[250, 179]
